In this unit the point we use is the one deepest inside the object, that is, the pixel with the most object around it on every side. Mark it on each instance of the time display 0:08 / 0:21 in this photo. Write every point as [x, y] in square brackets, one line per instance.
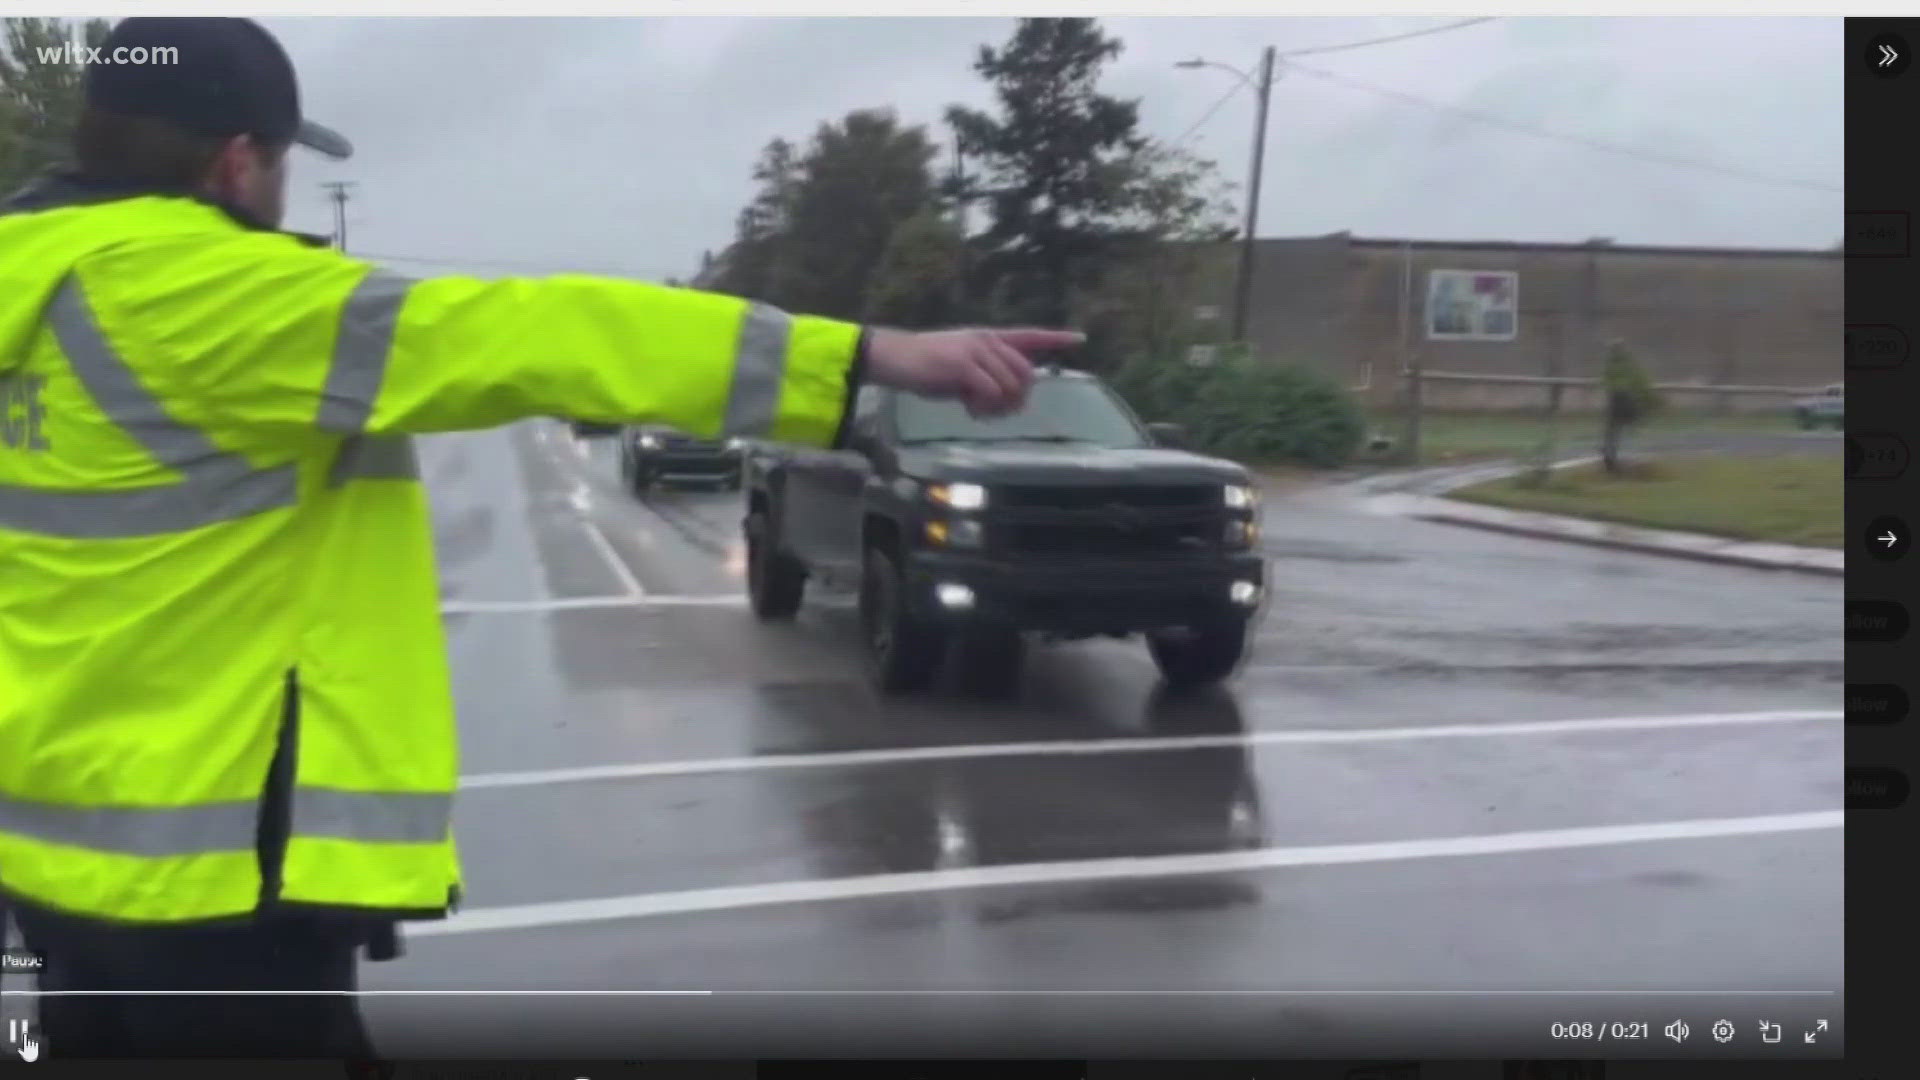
[1589, 1030]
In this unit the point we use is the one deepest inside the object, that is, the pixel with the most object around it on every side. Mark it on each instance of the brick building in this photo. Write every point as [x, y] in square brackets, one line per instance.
[1766, 322]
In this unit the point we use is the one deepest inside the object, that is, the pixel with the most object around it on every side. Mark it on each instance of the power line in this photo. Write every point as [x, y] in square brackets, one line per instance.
[1461, 25]
[1208, 115]
[1492, 120]
[504, 264]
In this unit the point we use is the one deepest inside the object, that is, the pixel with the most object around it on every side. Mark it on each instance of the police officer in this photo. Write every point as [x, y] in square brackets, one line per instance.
[227, 744]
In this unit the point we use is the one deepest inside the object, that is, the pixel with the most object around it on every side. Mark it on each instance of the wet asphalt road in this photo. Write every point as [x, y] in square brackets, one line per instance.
[1459, 761]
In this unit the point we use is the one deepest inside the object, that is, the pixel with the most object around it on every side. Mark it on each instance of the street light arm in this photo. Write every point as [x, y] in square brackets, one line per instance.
[1245, 79]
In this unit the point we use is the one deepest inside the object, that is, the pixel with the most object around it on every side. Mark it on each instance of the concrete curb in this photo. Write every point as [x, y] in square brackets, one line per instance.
[1622, 537]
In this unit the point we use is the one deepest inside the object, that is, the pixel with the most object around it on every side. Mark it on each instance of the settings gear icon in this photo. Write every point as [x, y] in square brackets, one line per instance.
[1723, 1030]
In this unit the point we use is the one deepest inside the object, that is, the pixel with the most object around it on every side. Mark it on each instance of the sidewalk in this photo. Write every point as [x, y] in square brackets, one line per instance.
[1423, 498]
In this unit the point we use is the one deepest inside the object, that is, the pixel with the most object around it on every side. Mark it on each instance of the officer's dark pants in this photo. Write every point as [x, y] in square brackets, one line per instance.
[271, 952]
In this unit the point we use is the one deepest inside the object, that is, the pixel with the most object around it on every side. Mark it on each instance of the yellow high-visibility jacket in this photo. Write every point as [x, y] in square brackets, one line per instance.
[209, 505]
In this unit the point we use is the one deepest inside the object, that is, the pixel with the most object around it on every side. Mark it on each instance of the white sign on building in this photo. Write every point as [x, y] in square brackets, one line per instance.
[1473, 305]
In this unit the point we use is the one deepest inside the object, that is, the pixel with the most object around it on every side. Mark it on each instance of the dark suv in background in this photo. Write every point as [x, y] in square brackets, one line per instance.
[1069, 519]
[652, 453]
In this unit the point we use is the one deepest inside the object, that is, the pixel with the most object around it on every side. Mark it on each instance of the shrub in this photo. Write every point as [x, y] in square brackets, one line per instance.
[1279, 414]
[1159, 389]
[1630, 391]
[1250, 411]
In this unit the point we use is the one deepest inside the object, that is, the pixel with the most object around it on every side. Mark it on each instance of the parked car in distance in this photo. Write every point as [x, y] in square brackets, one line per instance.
[1827, 407]
[652, 454]
[1068, 519]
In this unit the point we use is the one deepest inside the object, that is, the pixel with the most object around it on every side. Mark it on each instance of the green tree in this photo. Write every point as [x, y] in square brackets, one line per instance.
[1055, 167]
[40, 93]
[823, 220]
[1631, 398]
[1141, 310]
[862, 177]
[916, 284]
[745, 267]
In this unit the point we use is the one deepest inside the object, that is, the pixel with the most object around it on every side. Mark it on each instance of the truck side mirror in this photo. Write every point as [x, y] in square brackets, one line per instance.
[1172, 436]
[863, 440]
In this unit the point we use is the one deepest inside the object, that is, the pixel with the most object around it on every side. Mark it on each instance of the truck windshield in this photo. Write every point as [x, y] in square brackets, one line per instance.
[1058, 410]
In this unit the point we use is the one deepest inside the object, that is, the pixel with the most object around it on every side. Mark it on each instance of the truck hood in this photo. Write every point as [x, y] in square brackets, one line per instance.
[1063, 464]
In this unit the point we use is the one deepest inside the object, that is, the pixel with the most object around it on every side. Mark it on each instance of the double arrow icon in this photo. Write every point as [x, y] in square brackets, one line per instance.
[1888, 56]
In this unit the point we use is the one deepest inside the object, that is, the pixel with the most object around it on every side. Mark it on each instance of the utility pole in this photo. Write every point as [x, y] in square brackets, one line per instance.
[337, 191]
[961, 197]
[1243, 298]
[1261, 84]
[1409, 357]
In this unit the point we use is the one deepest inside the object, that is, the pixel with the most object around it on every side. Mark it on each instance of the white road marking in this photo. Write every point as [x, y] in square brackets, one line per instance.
[644, 905]
[841, 759]
[582, 500]
[587, 603]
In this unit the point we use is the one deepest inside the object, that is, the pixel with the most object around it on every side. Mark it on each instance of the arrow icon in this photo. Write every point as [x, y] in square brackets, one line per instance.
[1821, 1026]
[1809, 1036]
[1888, 538]
[1887, 55]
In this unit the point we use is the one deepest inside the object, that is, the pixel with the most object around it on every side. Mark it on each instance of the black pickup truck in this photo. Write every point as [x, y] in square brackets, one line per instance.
[653, 453]
[1069, 519]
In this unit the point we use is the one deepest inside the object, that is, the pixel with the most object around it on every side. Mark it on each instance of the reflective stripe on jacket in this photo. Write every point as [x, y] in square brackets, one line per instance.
[208, 496]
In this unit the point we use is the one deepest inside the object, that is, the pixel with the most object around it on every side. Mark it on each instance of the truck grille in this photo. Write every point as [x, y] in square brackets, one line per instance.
[1095, 538]
[1090, 497]
[686, 442]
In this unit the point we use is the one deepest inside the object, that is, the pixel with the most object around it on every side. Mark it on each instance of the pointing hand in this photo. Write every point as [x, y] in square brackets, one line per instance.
[989, 371]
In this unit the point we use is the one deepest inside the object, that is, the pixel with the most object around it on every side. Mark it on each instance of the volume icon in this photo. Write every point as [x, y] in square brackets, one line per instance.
[1677, 1031]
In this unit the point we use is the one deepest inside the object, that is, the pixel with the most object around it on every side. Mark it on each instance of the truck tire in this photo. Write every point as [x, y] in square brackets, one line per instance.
[903, 653]
[991, 660]
[1201, 655]
[776, 581]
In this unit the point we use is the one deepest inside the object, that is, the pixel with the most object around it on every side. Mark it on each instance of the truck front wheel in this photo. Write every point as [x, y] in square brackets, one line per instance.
[903, 653]
[1199, 655]
[775, 580]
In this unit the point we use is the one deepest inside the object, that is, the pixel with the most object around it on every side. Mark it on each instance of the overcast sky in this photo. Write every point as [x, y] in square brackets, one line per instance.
[625, 144]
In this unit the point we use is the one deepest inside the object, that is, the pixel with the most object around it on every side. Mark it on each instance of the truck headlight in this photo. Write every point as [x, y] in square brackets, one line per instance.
[1241, 497]
[649, 442]
[960, 534]
[959, 496]
[735, 444]
[1242, 534]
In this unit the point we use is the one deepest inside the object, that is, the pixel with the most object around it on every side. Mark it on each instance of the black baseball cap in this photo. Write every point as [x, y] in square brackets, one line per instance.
[220, 77]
